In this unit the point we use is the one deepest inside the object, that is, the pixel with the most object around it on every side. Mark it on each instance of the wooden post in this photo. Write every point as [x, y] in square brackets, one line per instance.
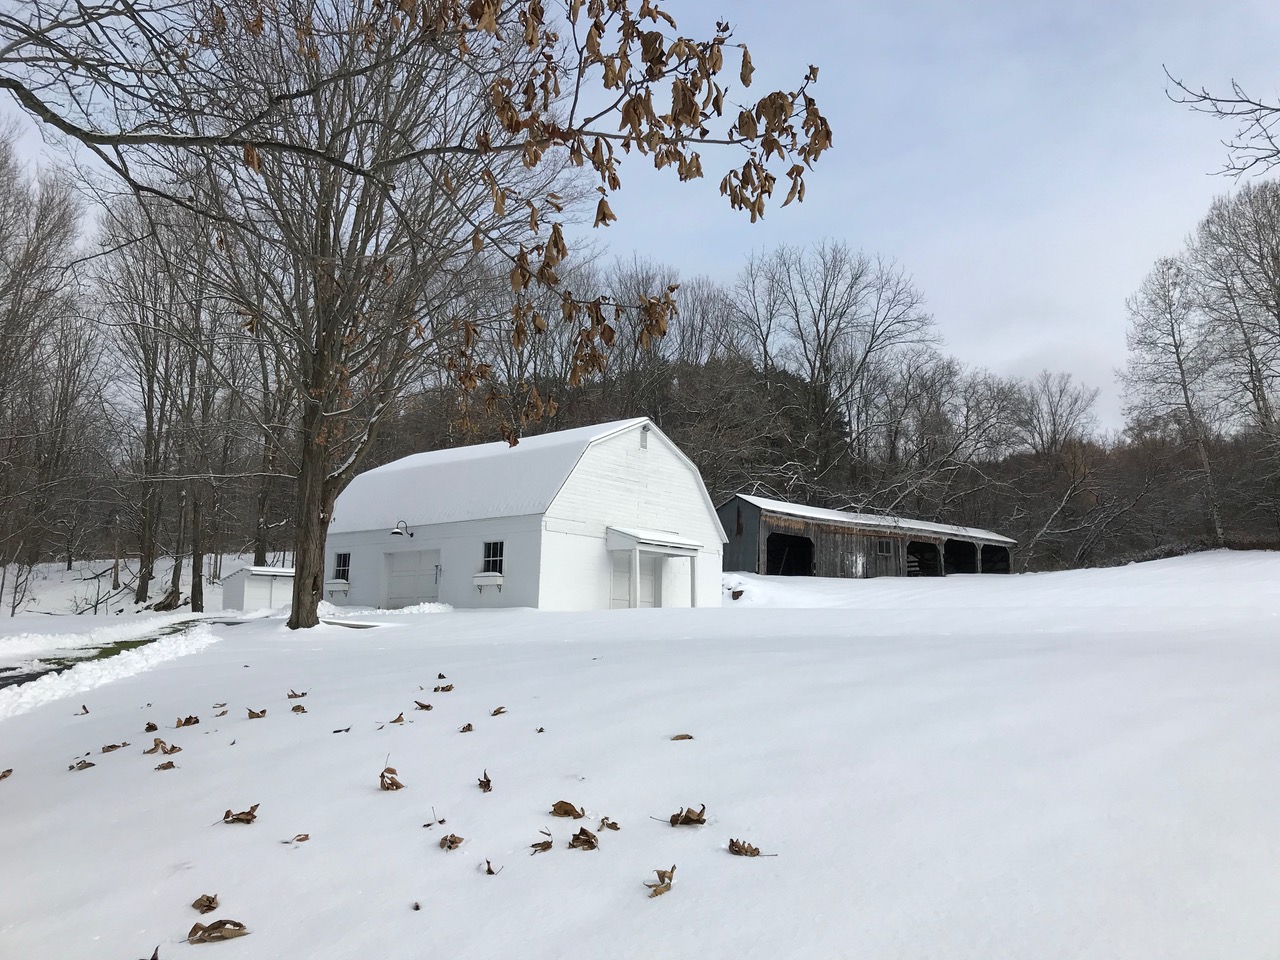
[693, 580]
[635, 576]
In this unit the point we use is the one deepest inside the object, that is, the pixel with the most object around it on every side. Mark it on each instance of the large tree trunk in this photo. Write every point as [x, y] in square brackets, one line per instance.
[315, 501]
[197, 553]
[146, 545]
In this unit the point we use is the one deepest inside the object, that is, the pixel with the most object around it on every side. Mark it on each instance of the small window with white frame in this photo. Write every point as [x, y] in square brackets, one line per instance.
[884, 547]
[342, 566]
[493, 550]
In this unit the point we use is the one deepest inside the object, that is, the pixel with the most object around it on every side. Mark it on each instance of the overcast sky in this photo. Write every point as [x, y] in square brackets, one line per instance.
[1019, 158]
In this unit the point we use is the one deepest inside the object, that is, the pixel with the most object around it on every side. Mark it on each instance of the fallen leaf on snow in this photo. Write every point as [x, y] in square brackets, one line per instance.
[447, 688]
[217, 931]
[387, 780]
[299, 708]
[497, 711]
[542, 846]
[244, 816]
[167, 765]
[485, 783]
[159, 746]
[450, 842]
[466, 728]
[221, 713]
[293, 695]
[4, 774]
[418, 704]
[256, 714]
[206, 903]
[218, 706]
[83, 711]
[683, 736]
[607, 824]
[686, 817]
[584, 839]
[740, 848]
[399, 718]
[563, 808]
[81, 765]
[150, 727]
[186, 722]
[663, 883]
[441, 676]
[298, 838]
[108, 748]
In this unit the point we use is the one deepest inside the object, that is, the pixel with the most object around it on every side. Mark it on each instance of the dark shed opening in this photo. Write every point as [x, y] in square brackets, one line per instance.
[923, 559]
[788, 556]
[995, 559]
[961, 556]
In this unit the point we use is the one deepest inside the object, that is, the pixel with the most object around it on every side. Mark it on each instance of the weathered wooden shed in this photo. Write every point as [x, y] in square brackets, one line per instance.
[787, 539]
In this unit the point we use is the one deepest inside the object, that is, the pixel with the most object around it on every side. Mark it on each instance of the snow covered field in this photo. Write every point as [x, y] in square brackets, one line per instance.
[1064, 765]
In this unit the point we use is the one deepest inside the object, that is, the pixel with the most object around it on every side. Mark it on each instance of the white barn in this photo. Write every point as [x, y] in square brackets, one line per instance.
[606, 516]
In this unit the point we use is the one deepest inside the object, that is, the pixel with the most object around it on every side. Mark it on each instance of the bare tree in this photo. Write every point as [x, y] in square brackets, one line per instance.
[1169, 365]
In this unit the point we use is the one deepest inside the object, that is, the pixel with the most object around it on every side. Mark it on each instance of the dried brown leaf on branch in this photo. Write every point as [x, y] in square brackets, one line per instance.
[206, 903]
[167, 765]
[217, 931]
[486, 784]
[740, 848]
[607, 824]
[686, 817]
[256, 714]
[150, 727]
[563, 808]
[387, 780]
[244, 816]
[108, 748]
[299, 708]
[294, 695]
[497, 711]
[451, 841]
[584, 839]
[466, 728]
[82, 765]
[683, 736]
[447, 688]
[186, 722]
[663, 883]
[419, 705]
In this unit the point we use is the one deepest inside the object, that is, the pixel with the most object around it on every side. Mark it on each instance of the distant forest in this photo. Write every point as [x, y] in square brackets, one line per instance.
[143, 415]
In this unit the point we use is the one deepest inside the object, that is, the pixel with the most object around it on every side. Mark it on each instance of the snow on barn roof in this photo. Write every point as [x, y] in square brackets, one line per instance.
[468, 483]
[873, 521]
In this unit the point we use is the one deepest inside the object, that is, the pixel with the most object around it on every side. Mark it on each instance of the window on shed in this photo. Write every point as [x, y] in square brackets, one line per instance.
[342, 566]
[884, 548]
[492, 557]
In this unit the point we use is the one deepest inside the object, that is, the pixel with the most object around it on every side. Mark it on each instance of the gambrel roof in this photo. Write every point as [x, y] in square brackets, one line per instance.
[469, 483]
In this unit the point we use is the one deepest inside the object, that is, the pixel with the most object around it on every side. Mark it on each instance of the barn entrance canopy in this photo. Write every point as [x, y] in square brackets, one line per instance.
[639, 558]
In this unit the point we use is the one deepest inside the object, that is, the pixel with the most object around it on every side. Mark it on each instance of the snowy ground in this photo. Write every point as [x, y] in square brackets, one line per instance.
[1054, 766]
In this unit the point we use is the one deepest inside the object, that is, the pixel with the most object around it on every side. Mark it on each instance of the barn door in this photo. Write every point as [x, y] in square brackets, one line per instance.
[650, 581]
[413, 577]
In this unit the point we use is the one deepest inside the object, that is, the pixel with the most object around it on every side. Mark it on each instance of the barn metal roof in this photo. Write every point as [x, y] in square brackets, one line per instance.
[873, 521]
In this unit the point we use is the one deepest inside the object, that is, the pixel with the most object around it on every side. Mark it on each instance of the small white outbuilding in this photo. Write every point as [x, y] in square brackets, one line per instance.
[257, 588]
[596, 517]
